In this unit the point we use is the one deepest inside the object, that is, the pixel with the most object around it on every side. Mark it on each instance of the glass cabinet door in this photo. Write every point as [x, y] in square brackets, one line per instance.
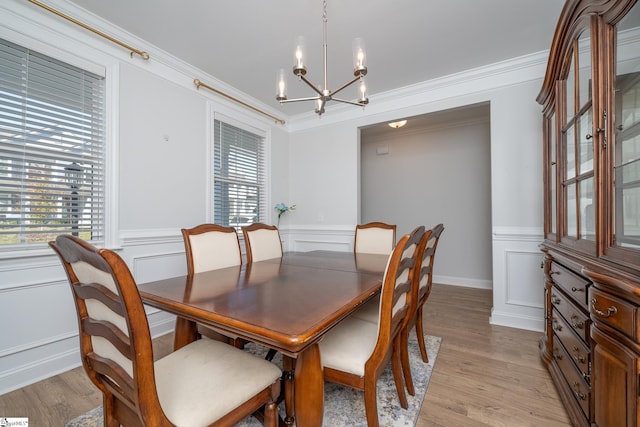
[577, 173]
[626, 141]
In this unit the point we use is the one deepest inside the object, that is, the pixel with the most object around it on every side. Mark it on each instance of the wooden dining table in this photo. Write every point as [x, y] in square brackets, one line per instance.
[286, 304]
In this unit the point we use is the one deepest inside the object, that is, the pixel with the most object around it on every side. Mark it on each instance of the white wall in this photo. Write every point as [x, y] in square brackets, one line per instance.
[328, 152]
[432, 174]
[158, 186]
[158, 128]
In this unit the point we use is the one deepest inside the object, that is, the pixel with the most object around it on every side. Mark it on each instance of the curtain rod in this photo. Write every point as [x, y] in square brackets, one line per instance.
[198, 83]
[143, 55]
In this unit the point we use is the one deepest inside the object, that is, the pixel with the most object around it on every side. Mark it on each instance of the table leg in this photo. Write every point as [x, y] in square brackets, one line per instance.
[186, 332]
[309, 388]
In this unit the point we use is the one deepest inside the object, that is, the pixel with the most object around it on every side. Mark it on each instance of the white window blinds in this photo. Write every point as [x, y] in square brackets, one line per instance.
[51, 149]
[238, 176]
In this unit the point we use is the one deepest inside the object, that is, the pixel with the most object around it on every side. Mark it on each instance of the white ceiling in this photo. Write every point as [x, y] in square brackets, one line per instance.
[245, 42]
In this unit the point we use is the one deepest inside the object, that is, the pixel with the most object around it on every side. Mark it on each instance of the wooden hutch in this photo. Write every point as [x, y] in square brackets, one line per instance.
[591, 127]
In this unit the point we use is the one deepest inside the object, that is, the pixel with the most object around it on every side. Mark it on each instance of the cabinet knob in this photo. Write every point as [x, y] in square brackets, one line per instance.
[575, 322]
[576, 391]
[577, 356]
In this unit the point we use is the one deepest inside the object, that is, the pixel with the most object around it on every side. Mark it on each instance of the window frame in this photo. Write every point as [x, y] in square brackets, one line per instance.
[95, 61]
[250, 124]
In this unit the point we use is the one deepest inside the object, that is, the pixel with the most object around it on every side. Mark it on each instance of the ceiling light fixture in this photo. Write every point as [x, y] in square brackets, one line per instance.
[398, 124]
[324, 94]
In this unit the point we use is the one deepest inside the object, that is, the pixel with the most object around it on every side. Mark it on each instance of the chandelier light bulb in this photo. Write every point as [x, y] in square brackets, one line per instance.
[282, 86]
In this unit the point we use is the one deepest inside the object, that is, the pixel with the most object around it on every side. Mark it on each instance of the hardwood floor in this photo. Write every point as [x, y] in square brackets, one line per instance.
[484, 375]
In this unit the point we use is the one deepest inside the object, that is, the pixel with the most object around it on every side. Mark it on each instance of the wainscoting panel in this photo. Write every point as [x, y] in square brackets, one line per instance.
[39, 332]
[518, 282]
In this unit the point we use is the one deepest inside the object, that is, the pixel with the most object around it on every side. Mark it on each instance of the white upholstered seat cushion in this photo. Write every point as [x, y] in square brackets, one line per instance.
[206, 379]
[349, 345]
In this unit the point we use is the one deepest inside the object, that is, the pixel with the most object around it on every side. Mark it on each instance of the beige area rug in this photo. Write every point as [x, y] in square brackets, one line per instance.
[344, 406]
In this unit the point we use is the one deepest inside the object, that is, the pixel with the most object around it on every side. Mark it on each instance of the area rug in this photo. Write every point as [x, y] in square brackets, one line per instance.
[344, 406]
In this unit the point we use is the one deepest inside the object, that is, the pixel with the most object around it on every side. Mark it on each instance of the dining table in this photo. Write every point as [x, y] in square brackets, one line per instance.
[287, 304]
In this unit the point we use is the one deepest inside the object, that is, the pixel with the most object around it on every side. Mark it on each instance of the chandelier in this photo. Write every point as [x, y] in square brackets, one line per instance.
[323, 94]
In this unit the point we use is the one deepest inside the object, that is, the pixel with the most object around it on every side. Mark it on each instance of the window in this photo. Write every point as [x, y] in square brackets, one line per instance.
[238, 175]
[51, 149]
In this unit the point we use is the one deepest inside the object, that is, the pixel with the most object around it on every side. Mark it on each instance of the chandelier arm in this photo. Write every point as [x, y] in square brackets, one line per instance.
[360, 104]
[349, 83]
[309, 98]
[311, 85]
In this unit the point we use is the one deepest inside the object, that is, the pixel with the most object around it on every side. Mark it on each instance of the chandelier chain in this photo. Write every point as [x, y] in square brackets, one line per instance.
[324, 10]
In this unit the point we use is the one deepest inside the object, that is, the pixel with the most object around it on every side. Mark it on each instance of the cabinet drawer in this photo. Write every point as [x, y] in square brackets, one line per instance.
[575, 382]
[574, 284]
[577, 318]
[614, 312]
[575, 348]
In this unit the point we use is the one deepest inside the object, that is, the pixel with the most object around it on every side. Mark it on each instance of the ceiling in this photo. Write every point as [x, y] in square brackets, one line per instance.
[245, 42]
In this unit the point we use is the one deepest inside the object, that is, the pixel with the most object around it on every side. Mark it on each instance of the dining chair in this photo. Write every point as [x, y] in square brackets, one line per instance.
[375, 238]
[355, 352]
[203, 383]
[211, 247]
[422, 283]
[262, 242]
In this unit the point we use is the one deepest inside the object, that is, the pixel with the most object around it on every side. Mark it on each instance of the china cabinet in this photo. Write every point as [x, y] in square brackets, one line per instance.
[591, 162]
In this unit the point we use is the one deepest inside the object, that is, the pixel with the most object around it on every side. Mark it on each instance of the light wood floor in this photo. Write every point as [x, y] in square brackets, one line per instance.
[484, 375]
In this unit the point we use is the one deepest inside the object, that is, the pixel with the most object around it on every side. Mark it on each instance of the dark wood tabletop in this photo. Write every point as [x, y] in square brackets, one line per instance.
[286, 304]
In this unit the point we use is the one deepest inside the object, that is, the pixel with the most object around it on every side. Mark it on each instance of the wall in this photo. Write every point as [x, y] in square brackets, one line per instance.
[158, 179]
[158, 128]
[435, 173]
[329, 150]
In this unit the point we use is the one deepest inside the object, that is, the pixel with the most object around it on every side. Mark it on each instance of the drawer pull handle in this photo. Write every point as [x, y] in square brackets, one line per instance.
[574, 289]
[577, 356]
[576, 391]
[610, 311]
[575, 323]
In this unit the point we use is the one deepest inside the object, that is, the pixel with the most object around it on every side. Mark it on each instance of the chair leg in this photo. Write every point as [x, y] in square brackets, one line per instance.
[420, 333]
[406, 367]
[108, 407]
[288, 366]
[371, 401]
[396, 368]
[270, 354]
[270, 415]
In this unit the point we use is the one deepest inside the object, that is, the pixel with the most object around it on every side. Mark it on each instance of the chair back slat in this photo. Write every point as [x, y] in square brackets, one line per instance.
[425, 276]
[395, 296]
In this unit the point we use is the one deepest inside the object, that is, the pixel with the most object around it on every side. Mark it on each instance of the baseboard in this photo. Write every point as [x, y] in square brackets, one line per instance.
[513, 320]
[463, 281]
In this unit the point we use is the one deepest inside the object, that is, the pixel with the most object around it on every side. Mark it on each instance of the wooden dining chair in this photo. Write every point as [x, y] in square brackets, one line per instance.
[421, 289]
[205, 383]
[262, 242]
[355, 352]
[210, 247]
[375, 238]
